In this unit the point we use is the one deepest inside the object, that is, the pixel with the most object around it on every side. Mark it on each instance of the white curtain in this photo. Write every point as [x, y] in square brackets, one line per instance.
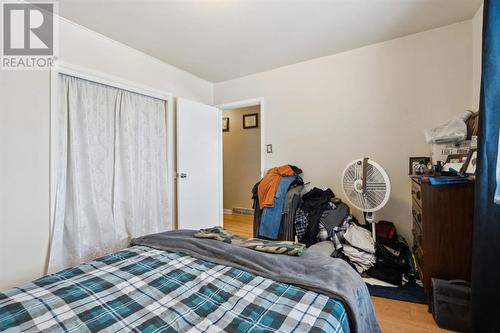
[111, 181]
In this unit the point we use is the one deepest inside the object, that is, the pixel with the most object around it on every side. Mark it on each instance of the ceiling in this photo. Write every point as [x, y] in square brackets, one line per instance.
[225, 39]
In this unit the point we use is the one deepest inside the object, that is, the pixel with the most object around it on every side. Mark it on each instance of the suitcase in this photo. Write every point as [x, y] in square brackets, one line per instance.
[287, 228]
[450, 304]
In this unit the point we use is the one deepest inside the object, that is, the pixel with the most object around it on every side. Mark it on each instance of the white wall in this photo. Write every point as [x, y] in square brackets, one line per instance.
[24, 175]
[477, 44]
[374, 101]
[24, 139]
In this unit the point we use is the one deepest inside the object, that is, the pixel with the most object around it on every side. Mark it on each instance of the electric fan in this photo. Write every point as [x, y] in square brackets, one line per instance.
[367, 187]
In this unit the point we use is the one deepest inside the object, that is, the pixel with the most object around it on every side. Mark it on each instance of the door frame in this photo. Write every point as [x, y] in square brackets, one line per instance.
[236, 105]
[120, 83]
[242, 104]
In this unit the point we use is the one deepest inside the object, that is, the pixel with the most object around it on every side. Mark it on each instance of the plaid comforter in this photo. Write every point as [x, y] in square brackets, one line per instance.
[146, 290]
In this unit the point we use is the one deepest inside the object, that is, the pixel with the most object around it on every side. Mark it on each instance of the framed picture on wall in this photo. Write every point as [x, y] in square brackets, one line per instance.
[225, 124]
[251, 120]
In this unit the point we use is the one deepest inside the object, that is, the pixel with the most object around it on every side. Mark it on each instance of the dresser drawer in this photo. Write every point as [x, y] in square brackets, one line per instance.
[417, 234]
[419, 254]
[416, 193]
[417, 214]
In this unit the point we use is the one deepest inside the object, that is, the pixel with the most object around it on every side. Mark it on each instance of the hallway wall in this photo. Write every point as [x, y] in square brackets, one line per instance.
[241, 158]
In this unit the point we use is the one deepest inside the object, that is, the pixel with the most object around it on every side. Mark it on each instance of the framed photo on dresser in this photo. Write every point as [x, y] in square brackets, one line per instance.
[469, 167]
[413, 163]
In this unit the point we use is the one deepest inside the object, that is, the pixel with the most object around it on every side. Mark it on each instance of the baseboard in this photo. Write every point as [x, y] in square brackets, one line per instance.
[242, 211]
[228, 211]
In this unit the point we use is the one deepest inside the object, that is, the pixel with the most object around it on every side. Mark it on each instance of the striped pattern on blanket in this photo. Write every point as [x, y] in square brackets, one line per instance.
[146, 290]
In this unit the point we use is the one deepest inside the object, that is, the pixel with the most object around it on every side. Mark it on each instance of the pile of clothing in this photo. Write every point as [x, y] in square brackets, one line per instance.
[389, 259]
[315, 205]
[354, 244]
[278, 192]
[321, 216]
[318, 214]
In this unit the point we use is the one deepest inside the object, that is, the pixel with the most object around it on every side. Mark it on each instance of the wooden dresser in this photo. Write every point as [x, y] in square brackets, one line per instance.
[442, 229]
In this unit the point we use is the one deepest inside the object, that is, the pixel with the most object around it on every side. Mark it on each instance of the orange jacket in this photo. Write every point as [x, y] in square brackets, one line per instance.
[269, 184]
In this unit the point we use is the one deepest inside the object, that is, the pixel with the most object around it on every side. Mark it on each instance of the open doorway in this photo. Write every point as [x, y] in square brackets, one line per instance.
[242, 165]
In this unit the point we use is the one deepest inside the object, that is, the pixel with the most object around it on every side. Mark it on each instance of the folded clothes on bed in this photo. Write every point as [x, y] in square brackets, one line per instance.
[262, 245]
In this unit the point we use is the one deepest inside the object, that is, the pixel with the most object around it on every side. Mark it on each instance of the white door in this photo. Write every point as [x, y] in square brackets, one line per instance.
[199, 166]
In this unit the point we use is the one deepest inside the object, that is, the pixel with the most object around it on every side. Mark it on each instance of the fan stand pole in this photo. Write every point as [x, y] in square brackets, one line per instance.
[374, 232]
[370, 218]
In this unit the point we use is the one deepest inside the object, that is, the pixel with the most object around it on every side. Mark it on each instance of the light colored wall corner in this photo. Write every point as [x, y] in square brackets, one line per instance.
[84, 47]
[374, 101]
[241, 158]
[477, 44]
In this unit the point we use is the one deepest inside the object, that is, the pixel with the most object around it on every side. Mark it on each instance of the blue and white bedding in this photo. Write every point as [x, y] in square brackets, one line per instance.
[143, 289]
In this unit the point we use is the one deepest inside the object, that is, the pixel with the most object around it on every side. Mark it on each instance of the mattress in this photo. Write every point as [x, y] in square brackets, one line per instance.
[142, 289]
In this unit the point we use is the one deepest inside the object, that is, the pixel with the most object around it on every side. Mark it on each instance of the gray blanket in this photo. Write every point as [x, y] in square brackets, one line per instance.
[312, 271]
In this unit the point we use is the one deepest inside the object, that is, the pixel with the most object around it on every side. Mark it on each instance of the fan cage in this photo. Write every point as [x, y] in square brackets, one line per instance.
[378, 186]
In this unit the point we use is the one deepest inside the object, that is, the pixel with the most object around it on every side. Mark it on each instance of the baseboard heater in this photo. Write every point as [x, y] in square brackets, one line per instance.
[242, 211]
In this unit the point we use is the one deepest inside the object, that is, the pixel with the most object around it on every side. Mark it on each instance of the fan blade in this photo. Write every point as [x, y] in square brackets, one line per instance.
[376, 186]
[348, 184]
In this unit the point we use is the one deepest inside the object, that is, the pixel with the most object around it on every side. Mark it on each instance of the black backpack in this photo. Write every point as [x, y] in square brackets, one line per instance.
[394, 263]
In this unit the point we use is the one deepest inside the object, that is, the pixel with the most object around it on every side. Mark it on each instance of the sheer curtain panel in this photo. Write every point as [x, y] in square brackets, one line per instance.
[111, 170]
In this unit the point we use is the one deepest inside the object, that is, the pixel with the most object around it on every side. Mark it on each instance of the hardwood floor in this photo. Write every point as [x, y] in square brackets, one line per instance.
[393, 316]
[241, 225]
[396, 316]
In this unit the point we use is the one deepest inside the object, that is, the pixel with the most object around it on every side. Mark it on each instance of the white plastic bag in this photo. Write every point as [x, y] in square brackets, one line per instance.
[454, 130]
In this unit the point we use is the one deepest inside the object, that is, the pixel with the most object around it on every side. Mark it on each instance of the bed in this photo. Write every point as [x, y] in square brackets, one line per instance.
[172, 281]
